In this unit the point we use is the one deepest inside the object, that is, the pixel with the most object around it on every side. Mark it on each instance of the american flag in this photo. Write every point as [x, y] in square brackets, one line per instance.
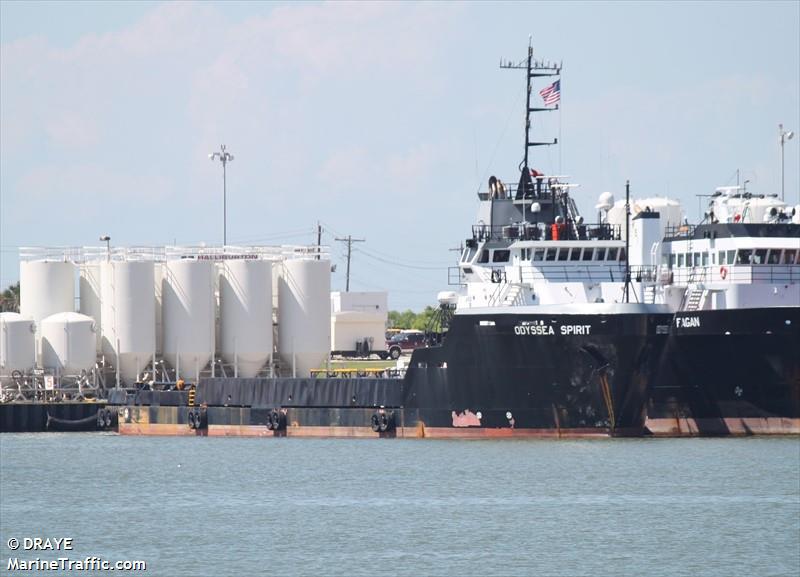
[552, 93]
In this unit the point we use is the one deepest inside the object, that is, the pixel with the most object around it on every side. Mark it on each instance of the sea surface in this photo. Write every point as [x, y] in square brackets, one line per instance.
[217, 507]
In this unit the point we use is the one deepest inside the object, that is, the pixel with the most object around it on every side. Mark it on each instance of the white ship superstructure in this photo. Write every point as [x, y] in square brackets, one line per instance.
[745, 254]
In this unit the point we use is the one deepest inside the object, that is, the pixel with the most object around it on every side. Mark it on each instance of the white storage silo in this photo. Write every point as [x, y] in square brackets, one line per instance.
[187, 315]
[304, 317]
[68, 343]
[17, 350]
[90, 291]
[129, 316]
[46, 288]
[158, 279]
[245, 299]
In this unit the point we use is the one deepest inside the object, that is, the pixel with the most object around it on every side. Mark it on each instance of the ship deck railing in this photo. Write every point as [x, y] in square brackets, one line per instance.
[679, 231]
[735, 273]
[611, 272]
[540, 231]
[544, 188]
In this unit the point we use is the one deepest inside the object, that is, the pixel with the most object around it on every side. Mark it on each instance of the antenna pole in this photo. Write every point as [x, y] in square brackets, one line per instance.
[627, 238]
[528, 105]
[349, 240]
[785, 135]
[319, 239]
[533, 69]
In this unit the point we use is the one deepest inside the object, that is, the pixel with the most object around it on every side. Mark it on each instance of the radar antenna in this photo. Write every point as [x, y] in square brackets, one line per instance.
[534, 69]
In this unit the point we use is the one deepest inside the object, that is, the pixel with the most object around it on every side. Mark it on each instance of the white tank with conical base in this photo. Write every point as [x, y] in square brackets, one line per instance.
[187, 315]
[90, 292]
[129, 316]
[304, 315]
[45, 288]
[245, 300]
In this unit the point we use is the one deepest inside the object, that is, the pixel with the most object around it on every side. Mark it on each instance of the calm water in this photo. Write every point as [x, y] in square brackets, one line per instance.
[208, 507]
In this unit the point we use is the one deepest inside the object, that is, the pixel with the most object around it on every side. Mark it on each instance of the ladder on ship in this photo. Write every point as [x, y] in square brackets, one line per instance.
[694, 298]
[572, 215]
[649, 294]
[507, 294]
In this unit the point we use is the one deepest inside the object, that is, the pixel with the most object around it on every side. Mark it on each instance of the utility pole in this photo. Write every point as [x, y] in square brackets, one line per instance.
[319, 239]
[349, 240]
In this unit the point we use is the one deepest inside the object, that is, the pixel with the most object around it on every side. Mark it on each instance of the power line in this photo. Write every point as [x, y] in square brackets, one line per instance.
[383, 257]
[398, 264]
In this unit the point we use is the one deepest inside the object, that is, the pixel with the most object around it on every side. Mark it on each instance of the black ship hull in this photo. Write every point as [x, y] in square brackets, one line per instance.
[537, 373]
[729, 372]
[496, 375]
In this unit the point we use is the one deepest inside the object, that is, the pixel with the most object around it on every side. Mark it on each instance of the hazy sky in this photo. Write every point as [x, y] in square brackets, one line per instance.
[380, 120]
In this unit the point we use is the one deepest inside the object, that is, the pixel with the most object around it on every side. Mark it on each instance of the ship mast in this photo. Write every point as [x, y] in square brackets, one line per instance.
[534, 69]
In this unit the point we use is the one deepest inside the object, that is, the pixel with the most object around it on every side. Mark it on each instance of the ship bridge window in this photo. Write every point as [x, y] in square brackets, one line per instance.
[760, 257]
[731, 257]
[484, 256]
[622, 254]
[588, 253]
[697, 259]
[563, 254]
[575, 254]
[468, 254]
[680, 260]
[789, 257]
[672, 260]
[744, 256]
[538, 254]
[774, 256]
[721, 257]
[525, 254]
[600, 254]
[551, 254]
[612, 254]
[705, 259]
[501, 255]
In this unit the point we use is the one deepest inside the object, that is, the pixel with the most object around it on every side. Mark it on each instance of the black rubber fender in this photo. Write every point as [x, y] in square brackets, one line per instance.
[277, 420]
[200, 419]
[109, 418]
[376, 422]
[101, 418]
[386, 422]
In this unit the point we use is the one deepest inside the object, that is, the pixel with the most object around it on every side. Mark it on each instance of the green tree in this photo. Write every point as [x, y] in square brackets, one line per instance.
[9, 300]
[410, 320]
[401, 320]
[423, 320]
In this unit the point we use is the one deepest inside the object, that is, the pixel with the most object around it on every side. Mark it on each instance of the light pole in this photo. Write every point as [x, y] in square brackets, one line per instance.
[785, 135]
[224, 156]
[107, 240]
